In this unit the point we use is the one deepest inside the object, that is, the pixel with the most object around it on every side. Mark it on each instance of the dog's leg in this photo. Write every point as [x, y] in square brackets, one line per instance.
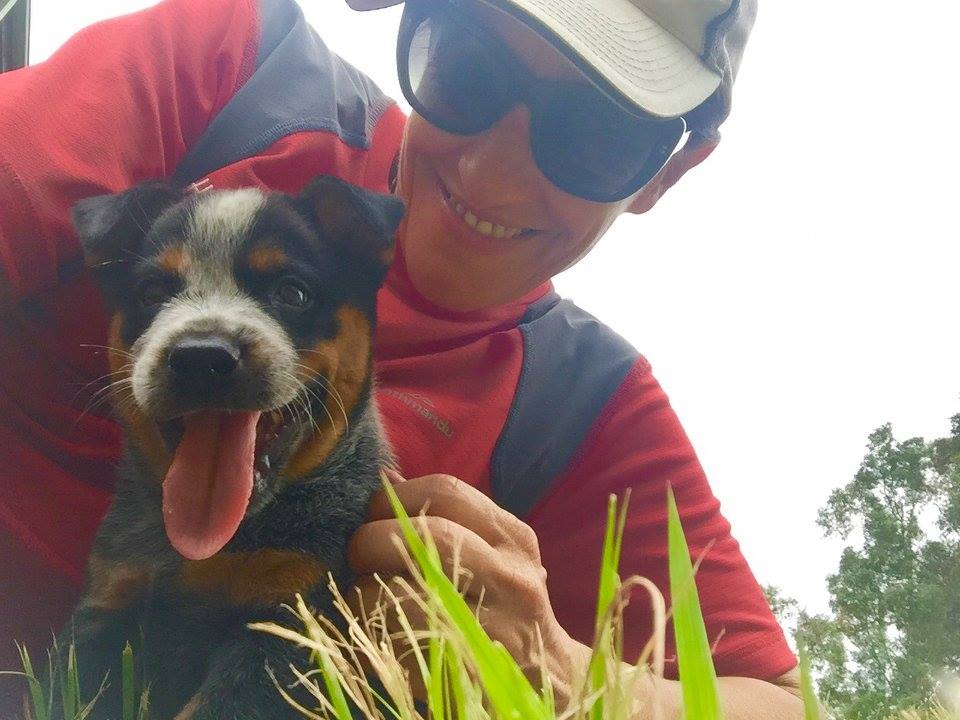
[238, 683]
[100, 627]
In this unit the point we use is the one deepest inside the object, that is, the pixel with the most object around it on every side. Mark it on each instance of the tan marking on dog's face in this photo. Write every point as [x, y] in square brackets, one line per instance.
[345, 363]
[175, 259]
[115, 585]
[141, 429]
[266, 258]
[261, 577]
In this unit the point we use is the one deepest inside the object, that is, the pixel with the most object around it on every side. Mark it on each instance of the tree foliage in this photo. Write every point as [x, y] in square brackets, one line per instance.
[895, 597]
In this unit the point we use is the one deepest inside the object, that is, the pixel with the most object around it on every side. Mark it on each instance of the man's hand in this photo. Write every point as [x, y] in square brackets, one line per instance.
[501, 556]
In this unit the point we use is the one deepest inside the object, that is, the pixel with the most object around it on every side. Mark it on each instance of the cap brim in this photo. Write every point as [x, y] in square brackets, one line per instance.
[618, 46]
[372, 4]
[622, 49]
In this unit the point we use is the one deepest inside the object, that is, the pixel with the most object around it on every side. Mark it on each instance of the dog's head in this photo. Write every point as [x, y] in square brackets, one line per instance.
[241, 335]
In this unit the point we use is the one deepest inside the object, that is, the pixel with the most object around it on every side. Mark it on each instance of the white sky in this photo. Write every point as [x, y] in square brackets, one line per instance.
[798, 289]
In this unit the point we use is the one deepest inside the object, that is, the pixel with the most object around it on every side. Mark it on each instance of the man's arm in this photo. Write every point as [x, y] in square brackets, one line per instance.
[639, 445]
[741, 698]
[5, 296]
[120, 102]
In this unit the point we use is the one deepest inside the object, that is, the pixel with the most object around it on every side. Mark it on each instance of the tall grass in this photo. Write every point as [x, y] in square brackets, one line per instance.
[466, 674]
[359, 665]
[63, 684]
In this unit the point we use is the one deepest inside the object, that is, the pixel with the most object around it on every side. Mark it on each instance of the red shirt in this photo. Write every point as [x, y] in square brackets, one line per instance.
[127, 100]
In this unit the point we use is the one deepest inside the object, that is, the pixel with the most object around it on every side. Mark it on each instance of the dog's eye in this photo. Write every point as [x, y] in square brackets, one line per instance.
[154, 292]
[291, 293]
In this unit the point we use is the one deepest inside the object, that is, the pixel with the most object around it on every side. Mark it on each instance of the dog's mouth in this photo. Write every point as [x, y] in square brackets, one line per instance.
[274, 435]
[222, 460]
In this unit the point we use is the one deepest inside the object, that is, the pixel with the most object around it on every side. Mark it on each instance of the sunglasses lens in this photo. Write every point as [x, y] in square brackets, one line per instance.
[456, 82]
[590, 147]
[461, 79]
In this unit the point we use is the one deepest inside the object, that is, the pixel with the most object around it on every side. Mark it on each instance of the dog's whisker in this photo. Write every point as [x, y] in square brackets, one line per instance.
[323, 380]
[307, 394]
[109, 393]
[125, 402]
[105, 376]
[333, 392]
[104, 393]
[312, 394]
[301, 402]
[117, 350]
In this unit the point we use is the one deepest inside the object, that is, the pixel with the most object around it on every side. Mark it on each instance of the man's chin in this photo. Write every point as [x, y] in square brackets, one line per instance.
[453, 292]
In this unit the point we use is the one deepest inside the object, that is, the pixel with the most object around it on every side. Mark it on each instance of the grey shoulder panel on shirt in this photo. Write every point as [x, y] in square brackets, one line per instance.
[572, 366]
[298, 84]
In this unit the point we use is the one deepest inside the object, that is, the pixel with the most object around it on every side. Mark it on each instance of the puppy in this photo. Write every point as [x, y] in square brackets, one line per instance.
[240, 350]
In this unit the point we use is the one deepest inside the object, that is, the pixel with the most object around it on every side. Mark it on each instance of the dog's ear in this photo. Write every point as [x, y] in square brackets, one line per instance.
[359, 223]
[113, 227]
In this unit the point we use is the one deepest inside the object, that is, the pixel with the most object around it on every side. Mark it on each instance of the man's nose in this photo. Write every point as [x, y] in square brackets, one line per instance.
[497, 166]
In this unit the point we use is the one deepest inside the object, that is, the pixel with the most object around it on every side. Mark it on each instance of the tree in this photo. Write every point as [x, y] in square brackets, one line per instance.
[895, 598]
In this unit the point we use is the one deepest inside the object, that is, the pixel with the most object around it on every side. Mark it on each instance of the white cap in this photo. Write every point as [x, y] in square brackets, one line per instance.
[666, 57]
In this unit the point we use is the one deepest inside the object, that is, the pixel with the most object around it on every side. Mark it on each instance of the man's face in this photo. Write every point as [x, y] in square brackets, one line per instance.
[459, 186]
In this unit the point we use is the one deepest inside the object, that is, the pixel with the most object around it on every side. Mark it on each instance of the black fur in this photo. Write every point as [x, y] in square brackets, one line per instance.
[192, 644]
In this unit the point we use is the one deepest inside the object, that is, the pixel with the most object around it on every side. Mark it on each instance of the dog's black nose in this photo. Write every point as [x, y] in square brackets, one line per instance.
[210, 359]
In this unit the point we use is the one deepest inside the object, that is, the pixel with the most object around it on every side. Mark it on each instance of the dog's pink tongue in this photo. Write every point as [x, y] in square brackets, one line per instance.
[208, 485]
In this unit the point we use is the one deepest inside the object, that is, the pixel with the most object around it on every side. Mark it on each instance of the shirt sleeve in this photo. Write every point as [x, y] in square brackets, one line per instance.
[638, 443]
[120, 102]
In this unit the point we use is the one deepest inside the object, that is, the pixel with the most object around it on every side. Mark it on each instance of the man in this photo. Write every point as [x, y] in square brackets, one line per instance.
[514, 414]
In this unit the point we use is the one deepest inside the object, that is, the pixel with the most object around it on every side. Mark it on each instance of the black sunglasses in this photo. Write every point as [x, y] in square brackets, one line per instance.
[463, 79]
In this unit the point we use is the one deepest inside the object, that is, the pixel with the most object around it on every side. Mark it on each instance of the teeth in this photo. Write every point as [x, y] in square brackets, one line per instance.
[484, 227]
[266, 461]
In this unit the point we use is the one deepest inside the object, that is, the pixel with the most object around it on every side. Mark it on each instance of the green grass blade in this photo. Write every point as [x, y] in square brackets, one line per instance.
[332, 683]
[331, 678]
[505, 685]
[811, 706]
[69, 686]
[129, 685]
[453, 666]
[41, 710]
[608, 565]
[698, 678]
[604, 653]
[435, 692]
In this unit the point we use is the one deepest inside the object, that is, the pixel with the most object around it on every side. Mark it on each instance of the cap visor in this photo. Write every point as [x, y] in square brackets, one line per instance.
[616, 45]
[372, 4]
[621, 49]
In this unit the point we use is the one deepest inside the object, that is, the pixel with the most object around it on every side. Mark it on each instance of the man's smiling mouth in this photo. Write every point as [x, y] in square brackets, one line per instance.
[488, 228]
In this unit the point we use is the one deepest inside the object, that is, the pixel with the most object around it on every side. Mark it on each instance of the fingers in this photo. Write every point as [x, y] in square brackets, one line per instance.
[447, 497]
[374, 549]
